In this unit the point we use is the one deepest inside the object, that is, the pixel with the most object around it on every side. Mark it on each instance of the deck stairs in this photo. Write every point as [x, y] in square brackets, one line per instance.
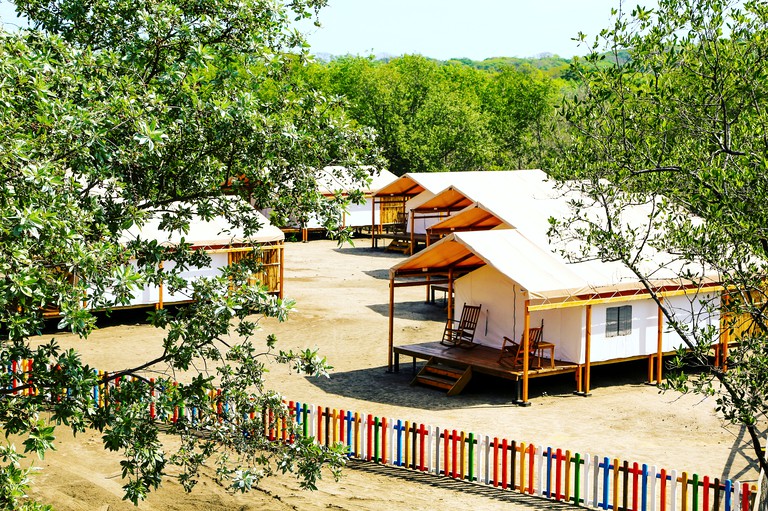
[444, 377]
[399, 246]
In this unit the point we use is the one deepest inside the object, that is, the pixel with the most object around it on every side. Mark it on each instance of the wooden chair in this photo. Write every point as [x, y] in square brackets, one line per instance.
[461, 332]
[512, 349]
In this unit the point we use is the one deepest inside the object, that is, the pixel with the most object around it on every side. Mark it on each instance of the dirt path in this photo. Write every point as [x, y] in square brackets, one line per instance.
[342, 303]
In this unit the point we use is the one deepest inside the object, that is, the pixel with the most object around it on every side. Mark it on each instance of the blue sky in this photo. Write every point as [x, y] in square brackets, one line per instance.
[443, 29]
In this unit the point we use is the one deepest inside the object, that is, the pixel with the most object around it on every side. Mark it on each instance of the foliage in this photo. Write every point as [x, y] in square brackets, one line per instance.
[431, 116]
[681, 126]
[116, 112]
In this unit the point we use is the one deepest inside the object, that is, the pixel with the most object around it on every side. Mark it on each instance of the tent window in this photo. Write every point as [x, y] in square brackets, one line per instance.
[618, 321]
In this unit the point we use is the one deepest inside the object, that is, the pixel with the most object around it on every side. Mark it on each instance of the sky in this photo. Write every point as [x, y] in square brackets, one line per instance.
[443, 29]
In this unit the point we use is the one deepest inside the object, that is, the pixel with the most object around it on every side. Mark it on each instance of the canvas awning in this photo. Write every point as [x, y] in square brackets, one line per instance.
[449, 199]
[413, 183]
[541, 274]
[473, 218]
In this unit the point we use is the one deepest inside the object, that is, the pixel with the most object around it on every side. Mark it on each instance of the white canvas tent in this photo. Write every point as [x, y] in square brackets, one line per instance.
[337, 180]
[421, 200]
[224, 244]
[389, 206]
[508, 266]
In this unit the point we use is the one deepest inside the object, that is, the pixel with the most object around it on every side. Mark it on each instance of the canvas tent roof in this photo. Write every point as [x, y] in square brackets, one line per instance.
[335, 179]
[471, 183]
[414, 183]
[541, 273]
[214, 233]
[511, 253]
[523, 199]
[449, 199]
[475, 217]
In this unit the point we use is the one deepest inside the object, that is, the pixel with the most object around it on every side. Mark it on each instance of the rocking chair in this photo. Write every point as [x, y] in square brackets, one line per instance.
[512, 349]
[461, 332]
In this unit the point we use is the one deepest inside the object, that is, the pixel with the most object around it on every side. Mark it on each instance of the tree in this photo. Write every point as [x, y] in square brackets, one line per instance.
[682, 126]
[431, 116]
[427, 116]
[116, 112]
[518, 105]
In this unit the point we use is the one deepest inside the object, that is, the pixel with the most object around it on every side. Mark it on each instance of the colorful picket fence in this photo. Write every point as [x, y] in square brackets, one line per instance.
[561, 475]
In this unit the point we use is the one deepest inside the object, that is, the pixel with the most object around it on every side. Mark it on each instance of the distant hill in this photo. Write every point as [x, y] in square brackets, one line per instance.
[549, 64]
[552, 65]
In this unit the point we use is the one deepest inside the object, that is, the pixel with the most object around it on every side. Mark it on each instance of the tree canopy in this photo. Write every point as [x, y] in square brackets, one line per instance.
[431, 116]
[116, 112]
[682, 125]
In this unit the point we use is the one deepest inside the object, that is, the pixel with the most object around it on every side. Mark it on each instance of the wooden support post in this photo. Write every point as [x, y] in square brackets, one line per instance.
[449, 298]
[281, 294]
[373, 221]
[578, 379]
[650, 369]
[659, 347]
[428, 285]
[526, 350]
[724, 340]
[588, 350]
[159, 304]
[413, 234]
[391, 322]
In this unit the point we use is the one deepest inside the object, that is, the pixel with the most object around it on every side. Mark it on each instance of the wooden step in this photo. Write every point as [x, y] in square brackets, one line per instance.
[435, 381]
[399, 246]
[448, 371]
[443, 377]
[461, 382]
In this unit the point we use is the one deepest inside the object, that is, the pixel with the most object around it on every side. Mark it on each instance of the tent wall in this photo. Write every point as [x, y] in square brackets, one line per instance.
[218, 261]
[503, 313]
[359, 215]
[496, 295]
[643, 339]
[150, 295]
[565, 329]
[147, 295]
[420, 225]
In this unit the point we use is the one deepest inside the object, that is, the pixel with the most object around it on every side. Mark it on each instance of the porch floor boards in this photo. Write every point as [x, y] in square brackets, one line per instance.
[482, 359]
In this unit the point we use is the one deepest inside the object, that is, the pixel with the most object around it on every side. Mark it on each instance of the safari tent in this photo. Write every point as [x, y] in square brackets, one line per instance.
[496, 254]
[389, 213]
[336, 181]
[224, 244]
[415, 202]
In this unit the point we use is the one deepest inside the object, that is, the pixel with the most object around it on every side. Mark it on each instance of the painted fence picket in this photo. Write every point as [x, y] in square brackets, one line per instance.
[428, 449]
[673, 493]
[540, 458]
[586, 479]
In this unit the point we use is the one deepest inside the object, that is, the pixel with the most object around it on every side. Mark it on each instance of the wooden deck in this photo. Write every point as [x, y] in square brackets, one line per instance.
[482, 359]
[399, 237]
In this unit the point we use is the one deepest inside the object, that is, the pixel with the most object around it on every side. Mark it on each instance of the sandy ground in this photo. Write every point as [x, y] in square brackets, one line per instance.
[342, 303]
